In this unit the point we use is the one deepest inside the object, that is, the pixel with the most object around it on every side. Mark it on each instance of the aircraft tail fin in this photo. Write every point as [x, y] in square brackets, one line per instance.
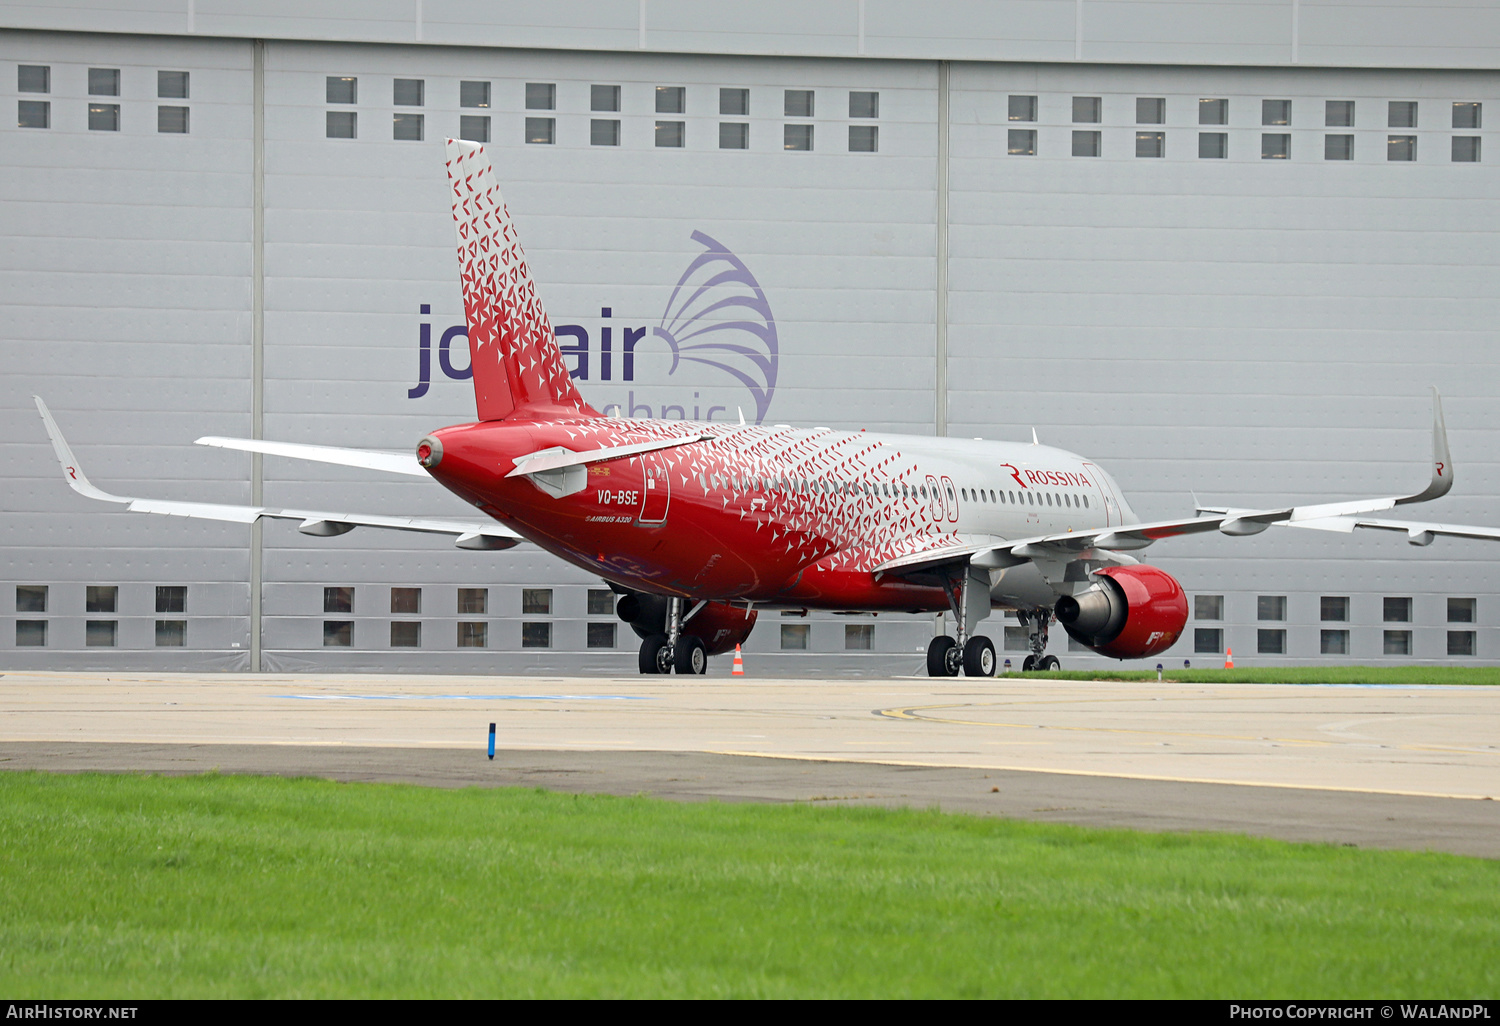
[513, 351]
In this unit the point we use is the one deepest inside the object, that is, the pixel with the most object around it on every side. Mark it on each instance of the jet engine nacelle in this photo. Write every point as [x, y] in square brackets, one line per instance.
[721, 626]
[1130, 612]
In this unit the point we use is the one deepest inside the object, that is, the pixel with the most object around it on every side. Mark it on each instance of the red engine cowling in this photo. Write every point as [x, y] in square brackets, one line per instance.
[1130, 612]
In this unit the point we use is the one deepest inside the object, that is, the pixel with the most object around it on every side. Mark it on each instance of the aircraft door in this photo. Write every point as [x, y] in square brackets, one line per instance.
[656, 492]
[1104, 495]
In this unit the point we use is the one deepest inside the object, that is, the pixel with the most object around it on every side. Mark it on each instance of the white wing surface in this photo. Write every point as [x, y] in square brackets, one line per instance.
[467, 535]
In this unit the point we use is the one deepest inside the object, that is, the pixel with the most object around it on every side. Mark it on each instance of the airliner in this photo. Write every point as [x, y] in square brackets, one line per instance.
[699, 526]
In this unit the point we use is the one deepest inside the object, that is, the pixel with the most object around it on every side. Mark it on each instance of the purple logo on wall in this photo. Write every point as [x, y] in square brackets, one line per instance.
[717, 330]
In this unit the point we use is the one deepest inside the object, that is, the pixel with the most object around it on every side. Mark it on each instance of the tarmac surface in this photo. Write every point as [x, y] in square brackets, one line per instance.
[1386, 767]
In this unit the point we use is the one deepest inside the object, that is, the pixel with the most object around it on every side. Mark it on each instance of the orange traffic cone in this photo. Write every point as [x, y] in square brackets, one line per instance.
[1229, 659]
[739, 664]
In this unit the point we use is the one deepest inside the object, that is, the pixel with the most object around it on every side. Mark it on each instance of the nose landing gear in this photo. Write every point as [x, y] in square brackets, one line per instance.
[674, 650]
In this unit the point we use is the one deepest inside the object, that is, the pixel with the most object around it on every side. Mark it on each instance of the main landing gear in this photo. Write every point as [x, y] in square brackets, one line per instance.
[969, 599]
[1036, 623]
[674, 651]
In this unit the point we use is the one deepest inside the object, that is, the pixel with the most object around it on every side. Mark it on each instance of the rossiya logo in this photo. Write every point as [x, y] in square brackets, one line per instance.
[716, 336]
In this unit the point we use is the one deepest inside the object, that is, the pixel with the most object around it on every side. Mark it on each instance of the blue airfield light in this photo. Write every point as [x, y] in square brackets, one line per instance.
[492, 742]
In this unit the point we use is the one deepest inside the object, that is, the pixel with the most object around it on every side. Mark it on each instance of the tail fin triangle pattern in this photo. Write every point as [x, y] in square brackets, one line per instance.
[512, 349]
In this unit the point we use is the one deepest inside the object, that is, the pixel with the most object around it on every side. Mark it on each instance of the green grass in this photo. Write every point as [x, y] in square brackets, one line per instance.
[1289, 674]
[217, 886]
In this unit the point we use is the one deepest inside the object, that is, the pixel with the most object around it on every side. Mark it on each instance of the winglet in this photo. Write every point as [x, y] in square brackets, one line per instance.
[72, 472]
[1442, 461]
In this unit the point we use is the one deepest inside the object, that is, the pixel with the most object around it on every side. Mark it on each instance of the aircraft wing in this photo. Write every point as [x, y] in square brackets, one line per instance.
[467, 535]
[368, 459]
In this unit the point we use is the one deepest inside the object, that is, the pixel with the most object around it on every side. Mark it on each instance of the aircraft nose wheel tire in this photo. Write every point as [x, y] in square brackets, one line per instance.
[656, 655]
[979, 657]
[691, 655]
[943, 657]
[1049, 663]
[1028, 664]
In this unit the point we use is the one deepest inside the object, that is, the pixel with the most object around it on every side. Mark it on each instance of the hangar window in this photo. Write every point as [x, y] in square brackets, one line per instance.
[1151, 110]
[601, 635]
[1087, 110]
[101, 633]
[671, 100]
[1270, 607]
[338, 633]
[1086, 144]
[1467, 114]
[1022, 108]
[541, 131]
[1208, 607]
[1021, 142]
[1460, 643]
[342, 89]
[341, 124]
[1150, 144]
[104, 81]
[1334, 608]
[601, 602]
[407, 127]
[338, 600]
[172, 120]
[171, 598]
[604, 132]
[1333, 642]
[864, 138]
[536, 635]
[408, 92]
[31, 633]
[1401, 147]
[604, 98]
[670, 134]
[1460, 610]
[798, 103]
[473, 94]
[33, 114]
[172, 85]
[104, 117]
[734, 103]
[406, 601]
[1270, 642]
[864, 105]
[32, 598]
[1017, 639]
[474, 127]
[33, 78]
[1275, 146]
[797, 137]
[1397, 643]
[473, 634]
[1402, 114]
[734, 136]
[1213, 112]
[1466, 149]
[536, 601]
[1396, 610]
[859, 637]
[100, 598]
[794, 636]
[1338, 147]
[1338, 113]
[1213, 145]
[1208, 639]
[171, 633]
[541, 96]
[406, 634]
[1276, 112]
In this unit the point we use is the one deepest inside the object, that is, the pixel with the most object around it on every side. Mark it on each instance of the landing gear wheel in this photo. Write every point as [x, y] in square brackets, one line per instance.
[656, 654]
[691, 655]
[1049, 663]
[943, 657]
[979, 657]
[1028, 664]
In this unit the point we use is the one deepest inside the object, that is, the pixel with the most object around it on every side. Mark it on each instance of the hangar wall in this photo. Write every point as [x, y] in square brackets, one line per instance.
[1258, 330]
